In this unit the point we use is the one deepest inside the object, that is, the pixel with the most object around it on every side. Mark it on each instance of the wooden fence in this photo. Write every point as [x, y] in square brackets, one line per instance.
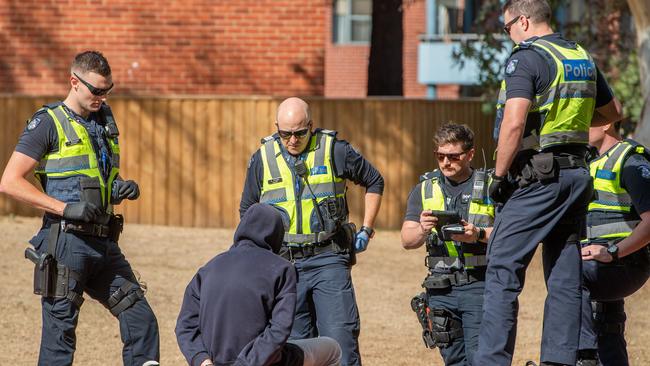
[189, 155]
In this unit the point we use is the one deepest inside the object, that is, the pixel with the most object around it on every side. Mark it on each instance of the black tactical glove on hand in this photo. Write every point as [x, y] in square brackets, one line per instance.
[125, 189]
[500, 189]
[81, 211]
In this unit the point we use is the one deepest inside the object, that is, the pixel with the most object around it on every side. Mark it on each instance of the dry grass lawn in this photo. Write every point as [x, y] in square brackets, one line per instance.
[385, 279]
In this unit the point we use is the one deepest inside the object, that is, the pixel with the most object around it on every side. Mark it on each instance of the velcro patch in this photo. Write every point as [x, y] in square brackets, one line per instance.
[317, 170]
[579, 70]
[606, 174]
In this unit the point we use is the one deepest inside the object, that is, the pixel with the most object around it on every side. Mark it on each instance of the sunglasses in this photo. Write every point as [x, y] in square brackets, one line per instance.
[299, 134]
[452, 157]
[95, 91]
[506, 28]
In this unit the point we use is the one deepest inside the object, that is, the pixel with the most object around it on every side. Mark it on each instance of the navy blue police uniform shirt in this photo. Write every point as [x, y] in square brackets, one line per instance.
[529, 72]
[40, 137]
[635, 178]
[348, 164]
[458, 195]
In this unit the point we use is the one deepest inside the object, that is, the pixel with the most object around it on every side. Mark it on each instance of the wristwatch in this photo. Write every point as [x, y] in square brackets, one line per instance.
[370, 231]
[613, 251]
[481, 233]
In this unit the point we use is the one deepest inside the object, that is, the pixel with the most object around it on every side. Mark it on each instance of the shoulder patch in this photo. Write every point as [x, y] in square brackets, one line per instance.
[512, 66]
[645, 171]
[33, 123]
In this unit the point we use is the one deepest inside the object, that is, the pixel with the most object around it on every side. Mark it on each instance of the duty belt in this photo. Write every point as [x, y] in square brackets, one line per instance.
[297, 252]
[570, 161]
[101, 231]
[459, 278]
[470, 261]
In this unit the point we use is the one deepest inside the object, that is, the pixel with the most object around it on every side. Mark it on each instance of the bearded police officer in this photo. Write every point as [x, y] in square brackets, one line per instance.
[551, 94]
[450, 310]
[303, 173]
[72, 146]
[617, 261]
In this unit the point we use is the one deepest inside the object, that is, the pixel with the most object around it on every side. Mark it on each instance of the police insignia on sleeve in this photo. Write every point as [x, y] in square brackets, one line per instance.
[33, 123]
[645, 171]
[512, 66]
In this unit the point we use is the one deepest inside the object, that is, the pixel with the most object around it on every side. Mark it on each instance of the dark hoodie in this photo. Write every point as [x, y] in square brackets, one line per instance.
[238, 309]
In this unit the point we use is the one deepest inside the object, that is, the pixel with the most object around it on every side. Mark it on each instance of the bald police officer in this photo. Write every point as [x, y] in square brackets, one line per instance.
[303, 172]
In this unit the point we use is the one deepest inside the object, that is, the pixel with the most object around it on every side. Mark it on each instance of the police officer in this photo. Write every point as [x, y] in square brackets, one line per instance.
[72, 146]
[303, 173]
[616, 259]
[454, 287]
[551, 94]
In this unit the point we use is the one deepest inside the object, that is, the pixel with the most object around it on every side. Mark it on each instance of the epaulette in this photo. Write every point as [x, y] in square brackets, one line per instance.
[51, 105]
[326, 131]
[430, 175]
[267, 139]
[637, 148]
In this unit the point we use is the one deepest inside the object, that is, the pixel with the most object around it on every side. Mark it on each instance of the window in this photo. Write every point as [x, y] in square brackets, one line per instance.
[352, 21]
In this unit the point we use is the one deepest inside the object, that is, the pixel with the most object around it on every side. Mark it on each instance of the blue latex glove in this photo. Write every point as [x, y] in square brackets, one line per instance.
[361, 241]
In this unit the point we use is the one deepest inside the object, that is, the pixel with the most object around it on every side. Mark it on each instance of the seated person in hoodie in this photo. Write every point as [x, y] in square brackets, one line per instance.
[238, 309]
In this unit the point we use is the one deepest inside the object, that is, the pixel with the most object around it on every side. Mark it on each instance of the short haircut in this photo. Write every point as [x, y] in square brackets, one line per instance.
[91, 61]
[452, 133]
[539, 11]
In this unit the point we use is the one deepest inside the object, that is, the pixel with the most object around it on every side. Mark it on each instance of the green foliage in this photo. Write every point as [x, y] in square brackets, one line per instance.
[604, 29]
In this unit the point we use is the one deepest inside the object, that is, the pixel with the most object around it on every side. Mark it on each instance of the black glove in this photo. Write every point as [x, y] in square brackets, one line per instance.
[500, 189]
[126, 189]
[81, 211]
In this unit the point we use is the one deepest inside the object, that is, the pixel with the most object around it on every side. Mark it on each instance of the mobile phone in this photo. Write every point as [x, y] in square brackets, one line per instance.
[449, 230]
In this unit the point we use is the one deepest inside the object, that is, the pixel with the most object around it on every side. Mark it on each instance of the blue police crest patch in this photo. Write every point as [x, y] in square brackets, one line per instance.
[33, 123]
[317, 170]
[512, 66]
[645, 171]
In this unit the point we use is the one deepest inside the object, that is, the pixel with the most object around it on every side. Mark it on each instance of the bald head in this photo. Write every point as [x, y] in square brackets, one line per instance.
[293, 110]
[293, 115]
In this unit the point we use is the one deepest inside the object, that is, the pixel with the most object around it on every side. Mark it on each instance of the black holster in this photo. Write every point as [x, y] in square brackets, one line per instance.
[52, 279]
[116, 225]
[347, 236]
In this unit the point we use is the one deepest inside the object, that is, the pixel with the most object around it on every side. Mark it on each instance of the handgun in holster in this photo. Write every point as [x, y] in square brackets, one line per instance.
[45, 273]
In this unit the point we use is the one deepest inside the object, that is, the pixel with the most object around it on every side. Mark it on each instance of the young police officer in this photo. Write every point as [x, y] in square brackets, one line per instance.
[455, 284]
[551, 94]
[297, 170]
[72, 146]
[617, 261]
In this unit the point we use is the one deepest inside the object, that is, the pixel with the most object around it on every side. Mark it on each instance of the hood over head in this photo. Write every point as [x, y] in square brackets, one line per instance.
[262, 225]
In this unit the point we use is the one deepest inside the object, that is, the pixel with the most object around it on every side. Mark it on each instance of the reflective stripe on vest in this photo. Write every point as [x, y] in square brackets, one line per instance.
[611, 202]
[479, 214]
[76, 155]
[564, 110]
[279, 188]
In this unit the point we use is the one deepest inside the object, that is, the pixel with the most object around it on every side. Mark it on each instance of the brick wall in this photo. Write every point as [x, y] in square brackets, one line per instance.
[414, 26]
[346, 66]
[155, 47]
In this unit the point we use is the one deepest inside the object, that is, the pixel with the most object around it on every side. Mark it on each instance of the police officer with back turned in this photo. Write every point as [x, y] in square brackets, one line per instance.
[551, 94]
[302, 173]
[72, 147]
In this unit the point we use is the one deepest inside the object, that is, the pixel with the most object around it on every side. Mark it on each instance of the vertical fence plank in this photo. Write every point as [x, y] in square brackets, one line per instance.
[187, 141]
[145, 161]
